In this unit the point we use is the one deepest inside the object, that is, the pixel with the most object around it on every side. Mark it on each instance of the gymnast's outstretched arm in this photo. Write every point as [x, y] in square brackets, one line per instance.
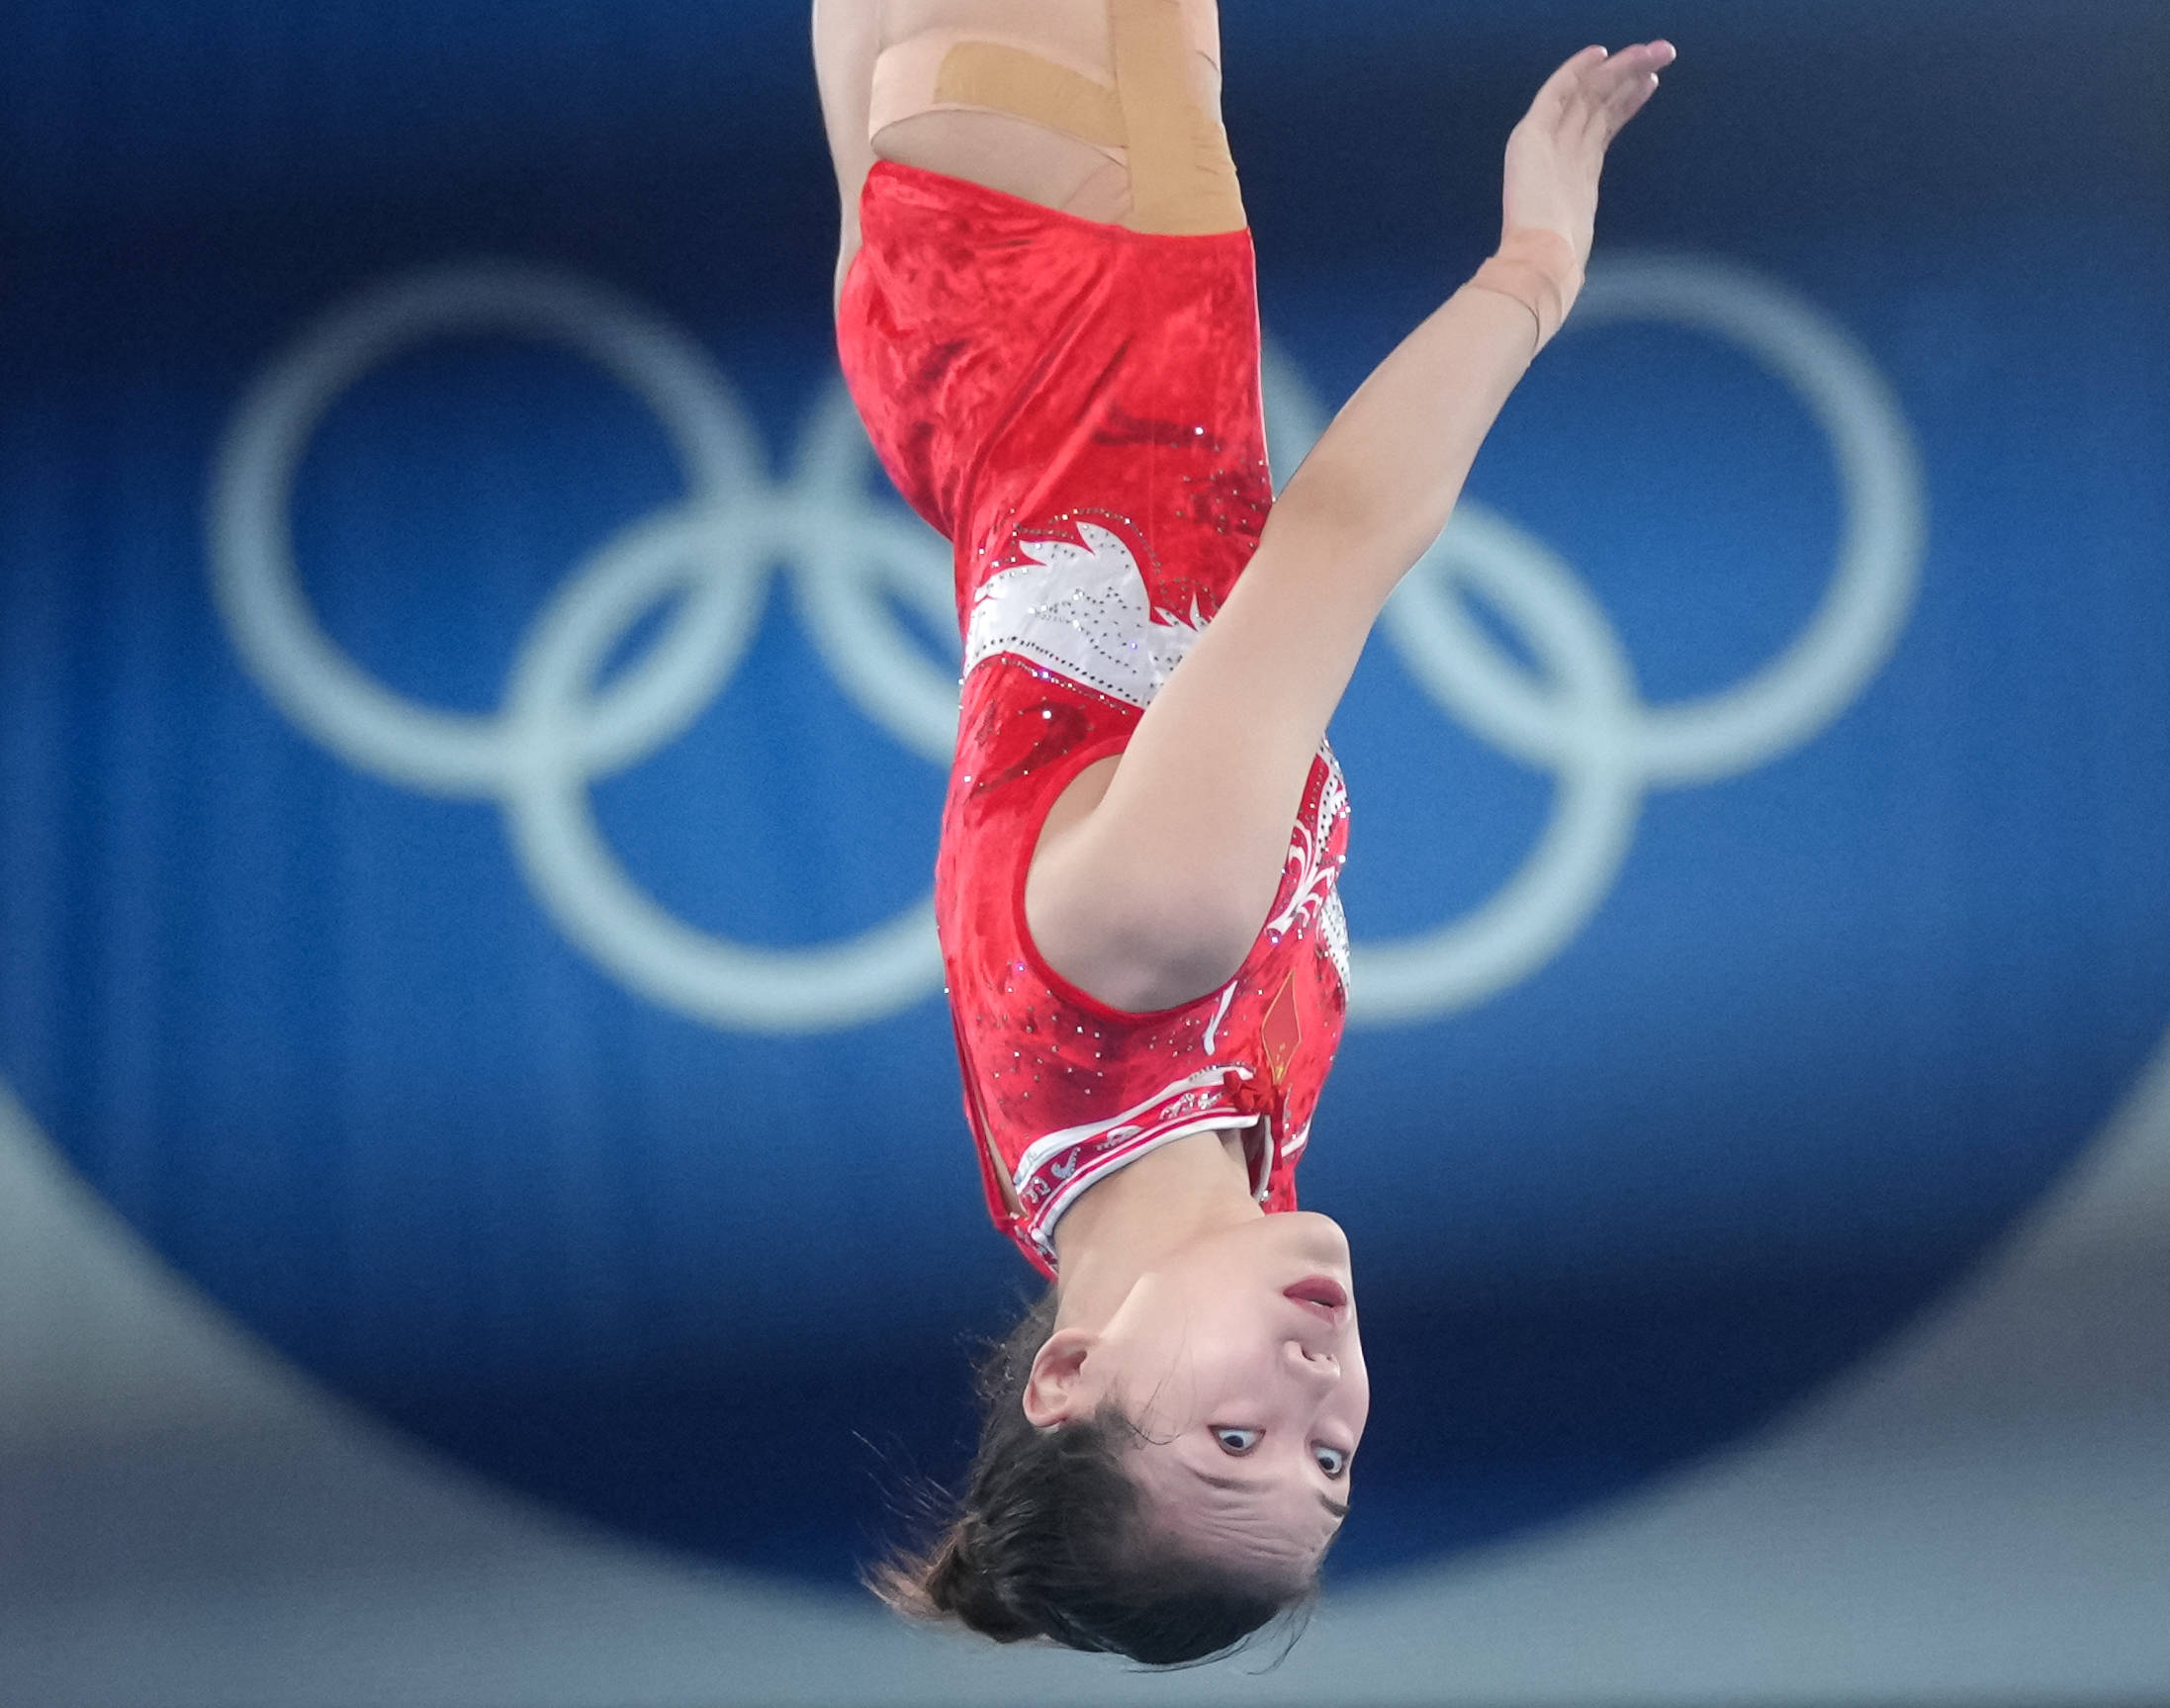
[1157, 894]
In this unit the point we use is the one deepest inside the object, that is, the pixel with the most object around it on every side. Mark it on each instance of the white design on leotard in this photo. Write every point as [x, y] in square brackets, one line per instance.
[1222, 1013]
[1315, 897]
[1080, 607]
[1334, 931]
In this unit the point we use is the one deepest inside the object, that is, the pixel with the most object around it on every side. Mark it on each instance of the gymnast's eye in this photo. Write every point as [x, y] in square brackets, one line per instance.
[1331, 1460]
[1237, 1440]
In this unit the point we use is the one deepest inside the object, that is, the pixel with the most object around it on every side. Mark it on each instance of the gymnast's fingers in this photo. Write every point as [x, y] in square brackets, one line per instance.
[1625, 83]
[1564, 89]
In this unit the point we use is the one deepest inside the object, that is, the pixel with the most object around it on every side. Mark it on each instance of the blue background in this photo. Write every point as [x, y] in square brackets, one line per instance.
[1839, 1021]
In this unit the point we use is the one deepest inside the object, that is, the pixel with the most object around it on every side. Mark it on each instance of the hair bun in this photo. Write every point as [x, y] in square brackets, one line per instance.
[963, 1583]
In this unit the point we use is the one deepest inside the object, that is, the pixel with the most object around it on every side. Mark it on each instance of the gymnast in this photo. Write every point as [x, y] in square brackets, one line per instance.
[1046, 313]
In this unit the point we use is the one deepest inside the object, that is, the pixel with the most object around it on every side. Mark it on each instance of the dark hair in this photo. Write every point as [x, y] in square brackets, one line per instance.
[1050, 1542]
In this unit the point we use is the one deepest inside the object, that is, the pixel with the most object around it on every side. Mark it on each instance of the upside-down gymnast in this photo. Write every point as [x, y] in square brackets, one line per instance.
[1048, 317]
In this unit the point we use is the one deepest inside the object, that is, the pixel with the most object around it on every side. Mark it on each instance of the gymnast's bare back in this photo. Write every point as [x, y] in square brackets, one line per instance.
[1003, 152]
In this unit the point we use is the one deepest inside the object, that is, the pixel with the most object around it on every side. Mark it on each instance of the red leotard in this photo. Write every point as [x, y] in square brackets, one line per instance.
[1077, 406]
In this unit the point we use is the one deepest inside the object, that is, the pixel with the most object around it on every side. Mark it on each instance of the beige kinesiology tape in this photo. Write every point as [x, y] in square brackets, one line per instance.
[1537, 268]
[1012, 80]
[1182, 177]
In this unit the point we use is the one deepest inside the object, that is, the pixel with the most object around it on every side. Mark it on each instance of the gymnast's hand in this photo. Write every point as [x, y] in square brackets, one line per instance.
[1556, 154]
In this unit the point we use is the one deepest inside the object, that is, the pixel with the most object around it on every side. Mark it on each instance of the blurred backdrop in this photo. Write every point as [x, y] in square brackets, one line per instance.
[484, 1211]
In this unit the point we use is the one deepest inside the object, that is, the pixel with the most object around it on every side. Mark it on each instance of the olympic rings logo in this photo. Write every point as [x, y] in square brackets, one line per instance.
[847, 553]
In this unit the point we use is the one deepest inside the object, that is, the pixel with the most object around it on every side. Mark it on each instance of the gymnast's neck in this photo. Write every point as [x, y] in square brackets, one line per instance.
[1143, 1214]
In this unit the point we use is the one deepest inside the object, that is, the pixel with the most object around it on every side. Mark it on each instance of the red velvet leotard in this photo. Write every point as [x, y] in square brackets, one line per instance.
[1077, 406]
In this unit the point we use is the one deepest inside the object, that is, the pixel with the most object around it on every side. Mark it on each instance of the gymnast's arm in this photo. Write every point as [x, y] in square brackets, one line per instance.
[1158, 893]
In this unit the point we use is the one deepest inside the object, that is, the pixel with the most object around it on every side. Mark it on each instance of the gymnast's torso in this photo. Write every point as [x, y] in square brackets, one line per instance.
[1075, 404]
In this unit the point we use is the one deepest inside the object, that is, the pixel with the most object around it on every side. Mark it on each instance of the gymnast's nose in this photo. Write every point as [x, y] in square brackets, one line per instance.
[1320, 1367]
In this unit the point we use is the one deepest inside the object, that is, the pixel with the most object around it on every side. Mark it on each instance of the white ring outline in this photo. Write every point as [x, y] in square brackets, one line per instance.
[716, 550]
[849, 553]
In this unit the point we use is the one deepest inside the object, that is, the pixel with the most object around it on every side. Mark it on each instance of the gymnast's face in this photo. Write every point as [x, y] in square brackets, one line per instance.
[1240, 1361]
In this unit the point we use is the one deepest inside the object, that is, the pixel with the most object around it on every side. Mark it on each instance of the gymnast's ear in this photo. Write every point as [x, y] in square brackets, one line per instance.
[1055, 1390]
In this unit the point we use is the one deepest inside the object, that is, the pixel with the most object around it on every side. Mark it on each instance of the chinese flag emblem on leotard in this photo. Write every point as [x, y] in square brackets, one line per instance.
[1281, 1032]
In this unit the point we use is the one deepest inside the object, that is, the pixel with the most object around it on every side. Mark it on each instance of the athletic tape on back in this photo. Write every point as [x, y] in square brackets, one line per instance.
[1183, 179]
[1004, 79]
[1181, 175]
